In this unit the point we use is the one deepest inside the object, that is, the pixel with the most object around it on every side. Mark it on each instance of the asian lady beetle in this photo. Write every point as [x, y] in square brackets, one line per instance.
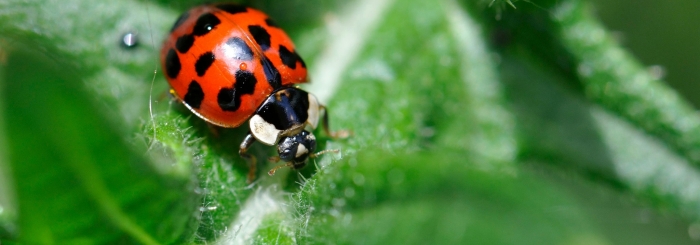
[229, 63]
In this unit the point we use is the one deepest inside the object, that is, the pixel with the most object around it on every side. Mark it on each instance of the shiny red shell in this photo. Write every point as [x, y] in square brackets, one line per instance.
[223, 61]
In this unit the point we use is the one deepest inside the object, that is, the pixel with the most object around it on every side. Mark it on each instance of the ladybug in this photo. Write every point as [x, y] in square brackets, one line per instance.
[229, 64]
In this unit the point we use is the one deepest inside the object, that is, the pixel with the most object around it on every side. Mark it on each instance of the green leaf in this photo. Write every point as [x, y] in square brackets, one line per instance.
[613, 147]
[8, 211]
[78, 172]
[403, 201]
[486, 122]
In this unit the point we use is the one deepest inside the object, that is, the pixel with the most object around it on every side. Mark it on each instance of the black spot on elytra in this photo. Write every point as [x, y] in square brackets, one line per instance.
[270, 22]
[205, 23]
[271, 73]
[261, 36]
[229, 99]
[290, 58]
[180, 20]
[172, 64]
[239, 49]
[194, 95]
[233, 8]
[245, 82]
[203, 63]
[184, 43]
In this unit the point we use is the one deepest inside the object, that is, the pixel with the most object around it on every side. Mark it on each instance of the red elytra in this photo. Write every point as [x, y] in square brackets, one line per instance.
[222, 61]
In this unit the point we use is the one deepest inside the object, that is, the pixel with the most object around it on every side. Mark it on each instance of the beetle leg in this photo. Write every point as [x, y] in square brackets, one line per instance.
[250, 159]
[315, 155]
[339, 134]
[273, 170]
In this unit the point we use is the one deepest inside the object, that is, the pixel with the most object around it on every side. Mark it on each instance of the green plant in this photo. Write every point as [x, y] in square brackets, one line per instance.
[474, 122]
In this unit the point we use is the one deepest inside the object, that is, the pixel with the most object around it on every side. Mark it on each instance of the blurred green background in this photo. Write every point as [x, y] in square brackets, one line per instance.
[474, 124]
[660, 33]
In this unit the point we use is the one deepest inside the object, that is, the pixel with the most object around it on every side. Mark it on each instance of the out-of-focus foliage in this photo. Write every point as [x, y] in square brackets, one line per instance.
[484, 122]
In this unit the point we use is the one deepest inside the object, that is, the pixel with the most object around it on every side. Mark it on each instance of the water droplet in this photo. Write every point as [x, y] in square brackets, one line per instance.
[130, 40]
